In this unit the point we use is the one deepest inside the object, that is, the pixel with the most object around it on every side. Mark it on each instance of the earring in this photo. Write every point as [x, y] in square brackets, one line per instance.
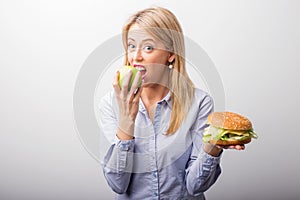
[170, 64]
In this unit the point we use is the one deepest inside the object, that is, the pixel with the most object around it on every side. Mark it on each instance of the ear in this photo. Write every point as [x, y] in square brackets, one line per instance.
[172, 58]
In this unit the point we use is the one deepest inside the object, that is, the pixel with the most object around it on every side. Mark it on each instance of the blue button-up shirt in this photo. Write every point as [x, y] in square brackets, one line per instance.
[154, 165]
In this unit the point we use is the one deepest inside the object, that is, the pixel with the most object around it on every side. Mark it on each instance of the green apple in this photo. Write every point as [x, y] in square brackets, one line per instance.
[123, 71]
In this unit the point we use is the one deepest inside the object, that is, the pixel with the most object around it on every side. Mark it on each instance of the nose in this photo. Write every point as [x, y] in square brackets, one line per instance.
[138, 55]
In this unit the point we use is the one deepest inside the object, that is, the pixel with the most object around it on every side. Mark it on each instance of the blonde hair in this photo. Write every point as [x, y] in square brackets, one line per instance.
[164, 26]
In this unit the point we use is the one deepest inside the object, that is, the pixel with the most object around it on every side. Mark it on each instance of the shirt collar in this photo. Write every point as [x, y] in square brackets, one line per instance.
[166, 99]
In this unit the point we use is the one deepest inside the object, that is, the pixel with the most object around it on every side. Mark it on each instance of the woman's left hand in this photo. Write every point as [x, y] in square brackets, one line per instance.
[236, 147]
[215, 150]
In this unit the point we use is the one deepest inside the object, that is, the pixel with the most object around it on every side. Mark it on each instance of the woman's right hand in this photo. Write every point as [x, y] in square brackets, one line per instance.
[128, 102]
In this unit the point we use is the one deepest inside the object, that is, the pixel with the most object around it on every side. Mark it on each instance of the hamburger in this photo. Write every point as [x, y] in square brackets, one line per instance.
[228, 128]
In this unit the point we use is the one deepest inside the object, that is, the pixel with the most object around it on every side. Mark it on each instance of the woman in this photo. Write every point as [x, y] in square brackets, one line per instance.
[158, 151]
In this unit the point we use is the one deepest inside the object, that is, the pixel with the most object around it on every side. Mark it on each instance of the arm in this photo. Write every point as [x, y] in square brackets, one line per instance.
[203, 167]
[118, 159]
[118, 162]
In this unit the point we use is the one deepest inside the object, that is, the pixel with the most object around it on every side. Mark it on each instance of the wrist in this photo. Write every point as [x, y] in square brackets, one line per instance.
[126, 126]
[212, 150]
[122, 135]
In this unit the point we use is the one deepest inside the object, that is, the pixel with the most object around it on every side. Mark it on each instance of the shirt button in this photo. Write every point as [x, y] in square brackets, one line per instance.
[209, 161]
[154, 174]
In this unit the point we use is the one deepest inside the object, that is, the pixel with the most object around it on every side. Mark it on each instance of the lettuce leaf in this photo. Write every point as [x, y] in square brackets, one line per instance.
[215, 133]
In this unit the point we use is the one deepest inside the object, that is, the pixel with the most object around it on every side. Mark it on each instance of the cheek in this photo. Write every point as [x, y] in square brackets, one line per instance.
[159, 59]
[129, 57]
[162, 58]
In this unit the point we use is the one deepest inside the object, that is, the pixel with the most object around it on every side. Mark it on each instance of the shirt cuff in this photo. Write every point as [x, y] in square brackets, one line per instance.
[209, 159]
[124, 145]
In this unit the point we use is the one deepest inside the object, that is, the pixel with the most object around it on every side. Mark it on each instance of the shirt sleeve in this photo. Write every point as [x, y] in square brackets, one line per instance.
[118, 161]
[203, 169]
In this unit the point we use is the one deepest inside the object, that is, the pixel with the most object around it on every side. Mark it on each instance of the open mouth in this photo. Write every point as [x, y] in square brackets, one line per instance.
[142, 69]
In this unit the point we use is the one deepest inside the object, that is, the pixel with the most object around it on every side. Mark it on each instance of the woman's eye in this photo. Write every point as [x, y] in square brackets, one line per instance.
[148, 48]
[131, 46]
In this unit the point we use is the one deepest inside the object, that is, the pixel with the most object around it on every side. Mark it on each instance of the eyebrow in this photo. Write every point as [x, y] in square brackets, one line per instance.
[148, 39]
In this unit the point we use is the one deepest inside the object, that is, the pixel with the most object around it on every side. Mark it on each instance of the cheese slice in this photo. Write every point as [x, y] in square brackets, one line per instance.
[234, 132]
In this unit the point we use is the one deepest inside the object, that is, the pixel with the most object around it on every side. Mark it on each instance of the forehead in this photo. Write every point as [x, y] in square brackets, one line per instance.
[137, 33]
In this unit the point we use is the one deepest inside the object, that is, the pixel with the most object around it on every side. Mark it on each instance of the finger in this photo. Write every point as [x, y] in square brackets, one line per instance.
[116, 83]
[138, 93]
[135, 84]
[237, 147]
[135, 98]
[223, 147]
[126, 81]
[240, 147]
[228, 147]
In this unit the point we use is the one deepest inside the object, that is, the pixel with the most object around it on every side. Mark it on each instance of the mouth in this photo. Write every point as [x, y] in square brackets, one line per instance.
[142, 69]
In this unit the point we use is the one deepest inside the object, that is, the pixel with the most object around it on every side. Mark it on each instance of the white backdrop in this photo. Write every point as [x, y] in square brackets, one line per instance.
[254, 45]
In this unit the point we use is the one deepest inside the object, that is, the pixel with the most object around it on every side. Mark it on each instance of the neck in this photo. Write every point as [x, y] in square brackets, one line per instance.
[152, 94]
